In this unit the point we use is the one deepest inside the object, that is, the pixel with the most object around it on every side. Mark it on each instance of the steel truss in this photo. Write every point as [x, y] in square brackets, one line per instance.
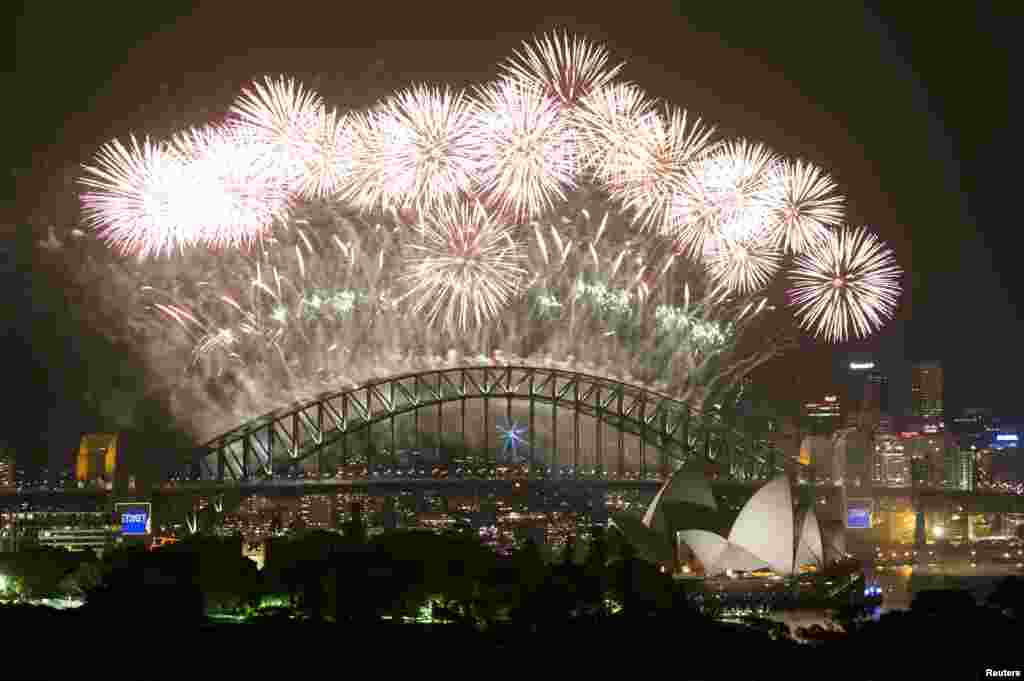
[276, 442]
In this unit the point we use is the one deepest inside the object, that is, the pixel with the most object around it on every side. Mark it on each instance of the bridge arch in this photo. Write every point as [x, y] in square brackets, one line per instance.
[263, 447]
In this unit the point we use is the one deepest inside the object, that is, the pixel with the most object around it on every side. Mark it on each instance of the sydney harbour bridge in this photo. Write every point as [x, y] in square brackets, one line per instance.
[495, 428]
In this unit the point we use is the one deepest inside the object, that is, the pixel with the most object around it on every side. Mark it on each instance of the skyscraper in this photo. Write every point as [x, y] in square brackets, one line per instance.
[867, 394]
[926, 387]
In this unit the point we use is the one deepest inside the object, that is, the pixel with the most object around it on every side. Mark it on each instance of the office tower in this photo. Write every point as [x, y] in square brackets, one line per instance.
[926, 392]
[824, 417]
[867, 394]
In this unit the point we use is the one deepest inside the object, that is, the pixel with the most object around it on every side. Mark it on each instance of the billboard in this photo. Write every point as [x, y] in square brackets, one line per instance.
[858, 514]
[135, 518]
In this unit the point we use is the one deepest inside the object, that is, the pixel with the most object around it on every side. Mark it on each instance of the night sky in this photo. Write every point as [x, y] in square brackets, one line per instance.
[909, 112]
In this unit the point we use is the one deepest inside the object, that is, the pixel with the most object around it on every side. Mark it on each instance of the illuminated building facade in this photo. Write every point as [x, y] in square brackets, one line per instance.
[824, 417]
[7, 466]
[97, 459]
[866, 396]
[926, 392]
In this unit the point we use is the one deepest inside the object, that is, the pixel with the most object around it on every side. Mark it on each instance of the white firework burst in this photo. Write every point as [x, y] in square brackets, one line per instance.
[667, 146]
[567, 69]
[464, 268]
[804, 205]
[848, 284]
[741, 268]
[284, 116]
[530, 148]
[610, 122]
[423, 149]
[330, 156]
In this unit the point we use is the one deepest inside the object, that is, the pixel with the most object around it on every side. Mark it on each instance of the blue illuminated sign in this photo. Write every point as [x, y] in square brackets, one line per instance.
[858, 516]
[135, 518]
[1003, 437]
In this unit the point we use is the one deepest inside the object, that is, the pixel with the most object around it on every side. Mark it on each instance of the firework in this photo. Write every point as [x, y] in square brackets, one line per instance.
[237, 195]
[141, 198]
[330, 157]
[567, 69]
[285, 118]
[847, 284]
[742, 268]
[464, 268]
[529, 146]
[610, 122]
[419, 149]
[803, 205]
[667, 147]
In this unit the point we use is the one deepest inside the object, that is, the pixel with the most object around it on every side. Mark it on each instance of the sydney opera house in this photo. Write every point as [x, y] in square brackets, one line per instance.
[769, 532]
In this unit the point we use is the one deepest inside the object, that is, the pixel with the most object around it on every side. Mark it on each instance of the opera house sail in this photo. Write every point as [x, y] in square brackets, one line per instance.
[767, 533]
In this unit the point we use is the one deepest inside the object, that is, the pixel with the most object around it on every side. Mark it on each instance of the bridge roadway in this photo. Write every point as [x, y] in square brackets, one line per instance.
[921, 498]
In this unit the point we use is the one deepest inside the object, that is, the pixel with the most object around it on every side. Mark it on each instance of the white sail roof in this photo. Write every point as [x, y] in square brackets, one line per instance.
[765, 526]
[684, 486]
[809, 550]
[708, 547]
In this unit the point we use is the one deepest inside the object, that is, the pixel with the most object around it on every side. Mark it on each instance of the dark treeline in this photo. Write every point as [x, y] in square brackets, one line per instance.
[344, 591]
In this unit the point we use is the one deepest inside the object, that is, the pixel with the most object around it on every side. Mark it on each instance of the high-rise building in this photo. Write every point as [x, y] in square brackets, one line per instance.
[824, 417]
[867, 394]
[926, 392]
[7, 466]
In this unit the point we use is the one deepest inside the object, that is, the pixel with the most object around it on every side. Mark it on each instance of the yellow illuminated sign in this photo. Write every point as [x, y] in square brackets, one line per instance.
[97, 454]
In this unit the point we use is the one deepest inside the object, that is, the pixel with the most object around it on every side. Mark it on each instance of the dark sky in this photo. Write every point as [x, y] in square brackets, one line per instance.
[909, 113]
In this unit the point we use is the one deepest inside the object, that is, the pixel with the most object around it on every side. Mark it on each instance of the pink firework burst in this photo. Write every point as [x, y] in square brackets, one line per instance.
[566, 69]
[238, 192]
[529, 148]
[847, 284]
[464, 268]
[141, 198]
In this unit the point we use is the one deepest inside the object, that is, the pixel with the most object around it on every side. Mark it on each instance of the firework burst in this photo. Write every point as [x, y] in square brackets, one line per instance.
[610, 123]
[421, 149]
[284, 118]
[803, 204]
[566, 69]
[465, 267]
[847, 284]
[141, 198]
[330, 157]
[237, 196]
[667, 146]
[741, 268]
[530, 148]
[725, 196]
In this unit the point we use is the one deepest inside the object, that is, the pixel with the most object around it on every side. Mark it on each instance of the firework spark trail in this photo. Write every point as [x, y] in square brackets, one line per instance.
[465, 267]
[567, 69]
[848, 284]
[530, 148]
